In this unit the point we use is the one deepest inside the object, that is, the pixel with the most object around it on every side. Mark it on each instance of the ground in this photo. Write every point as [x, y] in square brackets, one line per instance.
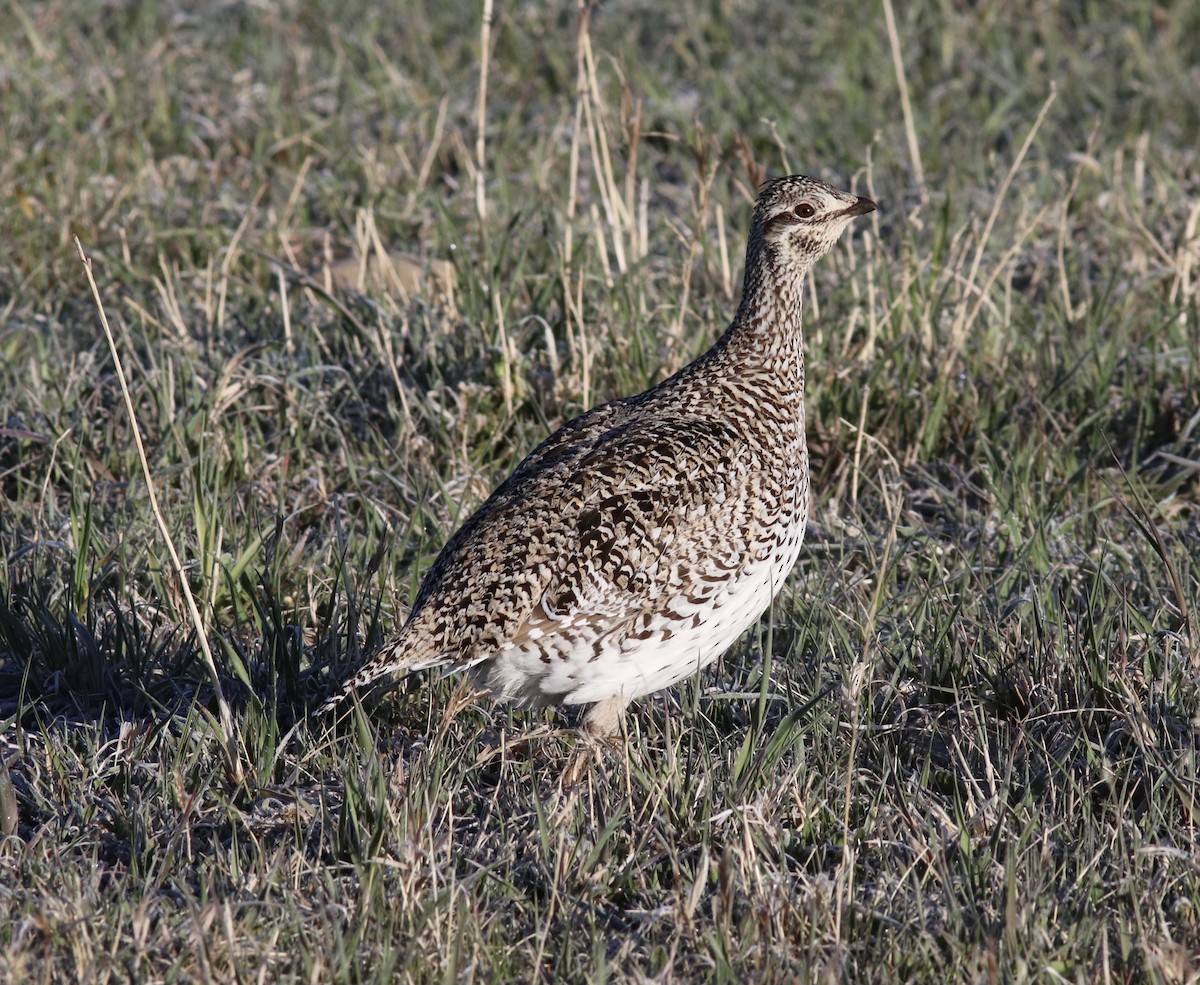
[963, 746]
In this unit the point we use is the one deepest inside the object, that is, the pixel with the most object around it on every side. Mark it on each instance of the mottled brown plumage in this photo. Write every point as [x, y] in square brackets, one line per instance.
[637, 542]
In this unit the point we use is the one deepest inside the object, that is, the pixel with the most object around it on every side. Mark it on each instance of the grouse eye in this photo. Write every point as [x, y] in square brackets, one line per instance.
[804, 211]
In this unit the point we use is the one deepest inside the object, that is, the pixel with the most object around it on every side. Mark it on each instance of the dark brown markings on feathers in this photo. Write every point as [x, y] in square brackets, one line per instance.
[598, 516]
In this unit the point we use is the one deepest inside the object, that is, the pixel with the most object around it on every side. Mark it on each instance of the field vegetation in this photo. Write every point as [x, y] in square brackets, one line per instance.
[355, 259]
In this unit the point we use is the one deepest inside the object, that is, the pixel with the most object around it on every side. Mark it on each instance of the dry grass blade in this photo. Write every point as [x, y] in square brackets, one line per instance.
[485, 54]
[966, 311]
[226, 730]
[910, 129]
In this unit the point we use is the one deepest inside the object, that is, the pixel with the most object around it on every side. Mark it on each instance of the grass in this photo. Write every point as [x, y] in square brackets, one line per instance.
[965, 745]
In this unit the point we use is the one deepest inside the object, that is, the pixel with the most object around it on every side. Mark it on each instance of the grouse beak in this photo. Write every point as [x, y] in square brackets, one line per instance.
[861, 207]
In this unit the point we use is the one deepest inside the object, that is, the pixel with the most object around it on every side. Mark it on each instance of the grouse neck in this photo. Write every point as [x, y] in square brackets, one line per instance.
[767, 326]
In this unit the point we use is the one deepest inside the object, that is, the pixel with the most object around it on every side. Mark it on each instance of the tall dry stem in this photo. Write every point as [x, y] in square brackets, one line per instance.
[226, 730]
